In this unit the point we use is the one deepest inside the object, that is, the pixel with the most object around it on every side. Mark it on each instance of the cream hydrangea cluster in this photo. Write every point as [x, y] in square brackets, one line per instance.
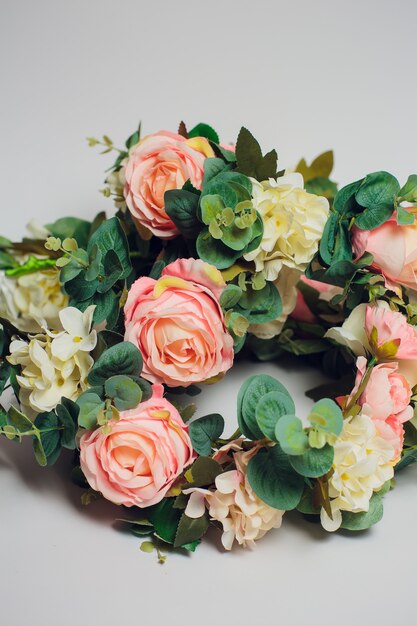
[363, 462]
[293, 224]
[55, 364]
[30, 298]
[244, 517]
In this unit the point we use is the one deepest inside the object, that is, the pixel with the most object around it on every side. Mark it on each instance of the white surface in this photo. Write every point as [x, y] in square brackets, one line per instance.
[303, 76]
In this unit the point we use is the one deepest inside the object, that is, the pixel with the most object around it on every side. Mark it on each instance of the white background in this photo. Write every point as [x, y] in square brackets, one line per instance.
[304, 77]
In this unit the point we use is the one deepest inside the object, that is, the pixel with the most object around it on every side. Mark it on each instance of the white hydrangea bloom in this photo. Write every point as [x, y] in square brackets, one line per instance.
[30, 298]
[55, 364]
[363, 462]
[293, 220]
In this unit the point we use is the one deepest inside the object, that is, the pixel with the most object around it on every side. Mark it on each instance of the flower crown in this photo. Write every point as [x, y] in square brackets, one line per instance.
[213, 253]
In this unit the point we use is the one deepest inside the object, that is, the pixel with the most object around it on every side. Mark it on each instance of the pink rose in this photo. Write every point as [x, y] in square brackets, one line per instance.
[389, 334]
[178, 325]
[394, 248]
[158, 163]
[136, 463]
[387, 394]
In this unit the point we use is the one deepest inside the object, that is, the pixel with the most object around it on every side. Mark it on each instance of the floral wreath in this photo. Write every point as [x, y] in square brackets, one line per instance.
[214, 253]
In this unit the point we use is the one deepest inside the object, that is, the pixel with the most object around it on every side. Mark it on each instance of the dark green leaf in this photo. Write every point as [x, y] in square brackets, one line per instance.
[189, 530]
[165, 519]
[314, 462]
[90, 405]
[203, 472]
[377, 195]
[204, 130]
[72, 227]
[273, 479]
[50, 435]
[181, 206]
[123, 358]
[204, 431]
[124, 391]
[67, 413]
[362, 521]
[270, 408]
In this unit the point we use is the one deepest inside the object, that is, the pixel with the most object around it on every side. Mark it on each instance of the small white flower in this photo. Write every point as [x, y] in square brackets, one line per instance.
[77, 336]
[55, 364]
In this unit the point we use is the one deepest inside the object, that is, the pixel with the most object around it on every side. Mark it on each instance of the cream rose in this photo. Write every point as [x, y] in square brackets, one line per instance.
[294, 221]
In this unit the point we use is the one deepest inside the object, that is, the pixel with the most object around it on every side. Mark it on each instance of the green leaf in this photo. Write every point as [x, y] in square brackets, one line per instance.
[203, 472]
[212, 167]
[111, 236]
[19, 420]
[327, 416]
[124, 391]
[290, 433]
[67, 413]
[377, 195]
[134, 139]
[204, 431]
[249, 396]
[80, 289]
[113, 271]
[362, 521]
[72, 227]
[5, 370]
[408, 193]
[270, 409]
[190, 529]
[40, 455]
[50, 435]
[236, 238]
[204, 130]
[123, 358]
[230, 296]
[273, 479]
[210, 207]
[408, 458]
[215, 252]
[95, 262]
[314, 462]
[232, 186]
[32, 265]
[165, 519]
[250, 160]
[322, 187]
[262, 305]
[90, 405]
[181, 206]
[404, 218]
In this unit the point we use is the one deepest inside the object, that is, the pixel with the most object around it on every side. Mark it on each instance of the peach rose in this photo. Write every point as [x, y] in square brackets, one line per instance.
[387, 394]
[136, 463]
[178, 325]
[389, 334]
[160, 162]
[394, 248]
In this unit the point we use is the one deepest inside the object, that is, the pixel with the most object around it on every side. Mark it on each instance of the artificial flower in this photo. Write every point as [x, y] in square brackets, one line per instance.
[363, 463]
[48, 372]
[26, 300]
[178, 325]
[389, 334]
[243, 516]
[324, 291]
[136, 461]
[158, 163]
[293, 224]
[394, 250]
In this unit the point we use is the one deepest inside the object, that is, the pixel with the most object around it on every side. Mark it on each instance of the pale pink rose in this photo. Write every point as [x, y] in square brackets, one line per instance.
[178, 325]
[136, 463]
[302, 312]
[161, 162]
[389, 334]
[394, 249]
[243, 516]
[387, 395]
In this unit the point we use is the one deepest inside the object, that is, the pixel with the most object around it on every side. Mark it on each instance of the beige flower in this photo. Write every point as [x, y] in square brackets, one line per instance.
[294, 221]
[363, 462]
[49, 369]
[234, 504]
[26, 300]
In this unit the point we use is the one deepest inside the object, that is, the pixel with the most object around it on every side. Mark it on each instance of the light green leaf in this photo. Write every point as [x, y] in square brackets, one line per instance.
[290, 433]
[270, 409]
[327, 416]
[90, 406]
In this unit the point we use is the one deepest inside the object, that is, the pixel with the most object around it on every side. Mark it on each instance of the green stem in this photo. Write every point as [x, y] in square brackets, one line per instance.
[361, 387]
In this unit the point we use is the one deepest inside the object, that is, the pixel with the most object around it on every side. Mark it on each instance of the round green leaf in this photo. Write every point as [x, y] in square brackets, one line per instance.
[362, 521]
[314, 462]
[211, 205]
[123, 358]
[124, 391]
[250, 394]
[327, 416]
[90, 406]
[215, 252]
[270, 409]
[290, 433]
[204, 431]
[236, 238]
[273, 479]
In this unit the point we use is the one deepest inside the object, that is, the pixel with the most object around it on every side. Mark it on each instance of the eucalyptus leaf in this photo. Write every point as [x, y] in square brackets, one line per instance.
[204, 431]
[122, 358]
